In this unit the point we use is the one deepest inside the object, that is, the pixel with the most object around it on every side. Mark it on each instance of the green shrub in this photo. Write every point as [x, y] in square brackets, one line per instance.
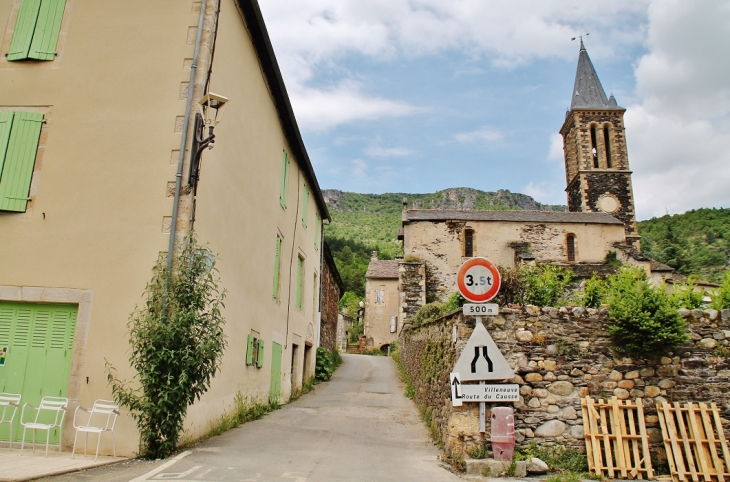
[721, 296]
[546, 285]
[513, 286]
[685, 296]
[354, 332]
[559, 458]
[432, 311]
[177, 344]
[326, 363]
[644, 320]
[593, 294]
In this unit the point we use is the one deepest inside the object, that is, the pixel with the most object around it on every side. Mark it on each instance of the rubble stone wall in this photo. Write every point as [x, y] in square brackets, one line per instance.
[559, 356]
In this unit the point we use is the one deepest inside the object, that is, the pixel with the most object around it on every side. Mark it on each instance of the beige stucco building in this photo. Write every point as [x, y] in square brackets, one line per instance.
[381, 302]
[93, 120]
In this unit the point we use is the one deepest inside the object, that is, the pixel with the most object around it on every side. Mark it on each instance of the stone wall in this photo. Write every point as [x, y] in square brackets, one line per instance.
[560, 355]
[411, 289]
[331, 293]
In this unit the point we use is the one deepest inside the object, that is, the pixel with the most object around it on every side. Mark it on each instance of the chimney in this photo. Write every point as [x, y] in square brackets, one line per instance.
[405, 203]
[374, 256]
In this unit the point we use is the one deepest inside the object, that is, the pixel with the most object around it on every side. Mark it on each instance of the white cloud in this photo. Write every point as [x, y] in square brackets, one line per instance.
[313, 36]
[556, 148]
[679, 146]
[321, 109]
[545, 192]
[484, 134]
[388, 152]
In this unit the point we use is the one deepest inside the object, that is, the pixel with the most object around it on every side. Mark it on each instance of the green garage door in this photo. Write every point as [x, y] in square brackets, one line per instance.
[275, 386]
[39, 341]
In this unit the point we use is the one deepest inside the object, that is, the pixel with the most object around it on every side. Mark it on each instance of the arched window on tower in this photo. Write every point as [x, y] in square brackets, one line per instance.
[607, 144]
[570, 244]
[594, 147]
[468, 243]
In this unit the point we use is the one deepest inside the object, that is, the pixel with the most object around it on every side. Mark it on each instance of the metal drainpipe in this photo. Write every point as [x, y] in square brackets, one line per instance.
[184, 142]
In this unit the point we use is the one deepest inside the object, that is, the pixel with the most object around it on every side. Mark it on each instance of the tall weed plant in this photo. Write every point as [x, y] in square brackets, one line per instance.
[177, 344]
[721, 296]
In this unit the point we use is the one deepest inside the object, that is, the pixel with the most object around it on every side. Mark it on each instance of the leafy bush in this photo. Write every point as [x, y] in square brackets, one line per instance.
[546, 285]
[434, 310]
[326, 364]
[513, 286]
[644, 320]
[354, 332]
[558, 458]
[685, 296]
[593, 294]
[721, 296]
[177, 343]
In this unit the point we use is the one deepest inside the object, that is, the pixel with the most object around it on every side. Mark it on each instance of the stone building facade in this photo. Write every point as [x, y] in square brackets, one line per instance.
[381, 302]
[332, 290]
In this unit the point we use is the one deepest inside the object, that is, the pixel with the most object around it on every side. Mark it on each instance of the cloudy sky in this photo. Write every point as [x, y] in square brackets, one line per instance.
[422, 95]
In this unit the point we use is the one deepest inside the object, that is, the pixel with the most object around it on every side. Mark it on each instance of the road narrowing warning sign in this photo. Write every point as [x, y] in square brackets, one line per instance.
[481, 359]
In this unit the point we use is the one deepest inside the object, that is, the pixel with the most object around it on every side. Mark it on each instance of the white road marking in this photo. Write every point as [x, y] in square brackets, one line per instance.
[162, 467]
[177, 475]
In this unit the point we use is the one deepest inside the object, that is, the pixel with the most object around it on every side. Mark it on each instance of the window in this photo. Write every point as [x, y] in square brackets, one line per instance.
[19, 135]
[316, 232]
[594, 150]
[255, 351]
[36, 30]
[300, 282]
[570, 241]
[468, 243]
[305, 206]
[284, 180]
[277, 267]
[379, 297]
[607, 144]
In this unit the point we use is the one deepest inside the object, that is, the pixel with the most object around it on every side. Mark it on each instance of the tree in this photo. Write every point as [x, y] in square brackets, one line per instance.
[177, 343]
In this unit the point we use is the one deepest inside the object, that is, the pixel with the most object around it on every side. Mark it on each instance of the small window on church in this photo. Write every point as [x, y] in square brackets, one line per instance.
[468, 243]
[570, 241]
[594, 150]
[607, 143]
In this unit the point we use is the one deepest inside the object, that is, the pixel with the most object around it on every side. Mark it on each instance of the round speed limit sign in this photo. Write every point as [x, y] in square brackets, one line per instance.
[478, 280]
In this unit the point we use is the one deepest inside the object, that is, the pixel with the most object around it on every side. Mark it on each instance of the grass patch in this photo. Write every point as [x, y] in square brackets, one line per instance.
[409, 391]
[306, 387]
[558, 458]
[478, 451]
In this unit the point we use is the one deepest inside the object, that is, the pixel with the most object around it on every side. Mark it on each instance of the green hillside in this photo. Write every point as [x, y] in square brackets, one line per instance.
[694, 243]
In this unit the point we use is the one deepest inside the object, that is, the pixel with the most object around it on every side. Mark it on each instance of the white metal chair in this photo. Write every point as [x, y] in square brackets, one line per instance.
[101, 418]
[9, 405]
[48, 415]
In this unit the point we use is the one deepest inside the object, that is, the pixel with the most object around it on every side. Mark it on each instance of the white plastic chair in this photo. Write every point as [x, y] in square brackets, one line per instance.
[101, 418]
[49, 415]
[9, 405]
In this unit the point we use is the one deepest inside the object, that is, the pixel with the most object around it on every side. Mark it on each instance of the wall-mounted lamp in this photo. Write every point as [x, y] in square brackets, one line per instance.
[211, 110]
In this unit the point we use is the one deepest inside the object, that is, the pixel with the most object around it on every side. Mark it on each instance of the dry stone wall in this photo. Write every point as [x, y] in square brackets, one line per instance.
[559, 356]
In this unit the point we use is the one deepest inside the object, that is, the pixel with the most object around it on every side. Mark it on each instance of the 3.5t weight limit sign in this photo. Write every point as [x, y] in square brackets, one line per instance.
[478, 280]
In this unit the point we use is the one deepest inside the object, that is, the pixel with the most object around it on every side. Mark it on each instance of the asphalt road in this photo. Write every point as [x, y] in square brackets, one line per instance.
[357, 427]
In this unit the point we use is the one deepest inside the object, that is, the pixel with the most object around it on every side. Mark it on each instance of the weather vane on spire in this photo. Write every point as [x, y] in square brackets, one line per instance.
[580, 36]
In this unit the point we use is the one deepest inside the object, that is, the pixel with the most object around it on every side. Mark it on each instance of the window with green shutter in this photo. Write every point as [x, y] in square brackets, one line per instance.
[19, 135]
[260, 354]
[36, 30]
[250, 350]
[317, 229]
[305, 206]
[300, 282]
[277, 266]
[284, 180]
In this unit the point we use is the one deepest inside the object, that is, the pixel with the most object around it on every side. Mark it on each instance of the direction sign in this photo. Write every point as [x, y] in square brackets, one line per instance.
[481, 359]
[490, 393]
[478, 280]
[455, 384]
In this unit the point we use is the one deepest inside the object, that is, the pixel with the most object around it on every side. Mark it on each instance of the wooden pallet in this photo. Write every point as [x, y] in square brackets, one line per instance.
[616, 441]
[695, 442]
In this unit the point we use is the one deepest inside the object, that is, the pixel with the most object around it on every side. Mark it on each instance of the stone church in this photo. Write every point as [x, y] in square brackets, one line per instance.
[600, 222]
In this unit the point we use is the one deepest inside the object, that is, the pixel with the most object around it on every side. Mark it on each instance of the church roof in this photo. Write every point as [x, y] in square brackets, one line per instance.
[588, 92]
[411, 215]
[382, 268]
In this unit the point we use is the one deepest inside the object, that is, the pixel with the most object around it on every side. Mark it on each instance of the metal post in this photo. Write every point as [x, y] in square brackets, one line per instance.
[482, 405]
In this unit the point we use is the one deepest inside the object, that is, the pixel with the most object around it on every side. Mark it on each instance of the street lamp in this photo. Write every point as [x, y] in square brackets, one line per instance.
[211, 108]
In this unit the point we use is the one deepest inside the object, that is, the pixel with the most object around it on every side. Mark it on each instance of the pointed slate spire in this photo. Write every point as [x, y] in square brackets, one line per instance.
[587, 90]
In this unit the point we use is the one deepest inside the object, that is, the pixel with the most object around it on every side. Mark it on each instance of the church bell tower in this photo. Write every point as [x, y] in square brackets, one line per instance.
[596, 159]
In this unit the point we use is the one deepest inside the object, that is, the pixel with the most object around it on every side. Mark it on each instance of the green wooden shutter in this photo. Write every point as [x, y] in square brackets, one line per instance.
[24, 28]
[316, 231]
[284, 180]
[277, 266]
[48, 25]
[20, 155]
[305, 206]
[300, 282]
[249, 351]
[260, 355]
[6, 121]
